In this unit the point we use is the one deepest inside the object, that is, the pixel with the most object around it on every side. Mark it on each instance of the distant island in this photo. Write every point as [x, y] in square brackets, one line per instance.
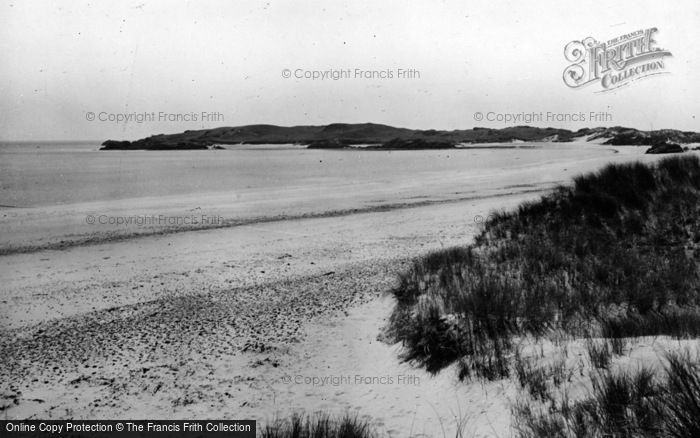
[377, 136]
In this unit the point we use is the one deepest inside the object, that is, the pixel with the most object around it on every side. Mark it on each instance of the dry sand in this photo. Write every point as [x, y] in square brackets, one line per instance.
[237, 322]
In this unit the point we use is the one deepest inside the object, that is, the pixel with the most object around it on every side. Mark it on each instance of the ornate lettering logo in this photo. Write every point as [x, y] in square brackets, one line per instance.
[614, 63]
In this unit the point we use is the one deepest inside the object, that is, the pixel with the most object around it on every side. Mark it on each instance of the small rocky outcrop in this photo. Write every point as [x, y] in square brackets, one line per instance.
[665, 148]
[417, 143]
[327, 144]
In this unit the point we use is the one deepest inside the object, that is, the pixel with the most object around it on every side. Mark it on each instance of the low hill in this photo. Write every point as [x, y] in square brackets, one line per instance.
[619, 135]
[345, 135]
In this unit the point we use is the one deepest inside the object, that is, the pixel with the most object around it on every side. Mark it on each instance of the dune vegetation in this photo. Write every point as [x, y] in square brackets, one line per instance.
[592, 267]
[614, 255]
[607, 260]
[640, 403]
[637, 403]
[320, 425]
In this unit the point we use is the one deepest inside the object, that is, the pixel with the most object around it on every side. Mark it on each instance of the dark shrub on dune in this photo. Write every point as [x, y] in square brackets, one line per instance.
[616, 253]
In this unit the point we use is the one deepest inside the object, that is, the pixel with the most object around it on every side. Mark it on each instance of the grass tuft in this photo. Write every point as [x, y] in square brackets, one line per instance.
[680, 403]
[599, 353]
[318, 426]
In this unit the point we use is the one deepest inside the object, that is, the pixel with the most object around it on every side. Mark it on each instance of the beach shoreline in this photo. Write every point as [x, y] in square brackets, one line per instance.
[203, 323]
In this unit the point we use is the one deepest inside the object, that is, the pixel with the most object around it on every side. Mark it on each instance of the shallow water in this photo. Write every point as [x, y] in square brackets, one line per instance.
[41, 174]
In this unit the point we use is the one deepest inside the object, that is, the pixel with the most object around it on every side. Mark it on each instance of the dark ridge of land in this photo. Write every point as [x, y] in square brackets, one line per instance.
[343, 135]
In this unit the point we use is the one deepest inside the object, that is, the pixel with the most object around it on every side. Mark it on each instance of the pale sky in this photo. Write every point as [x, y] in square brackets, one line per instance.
[62, 60]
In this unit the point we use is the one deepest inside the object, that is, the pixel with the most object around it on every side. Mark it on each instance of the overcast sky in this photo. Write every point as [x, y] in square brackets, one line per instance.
[62, 60]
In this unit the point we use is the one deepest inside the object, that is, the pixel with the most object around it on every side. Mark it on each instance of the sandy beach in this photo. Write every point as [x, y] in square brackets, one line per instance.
[279, 308]
[349, 219]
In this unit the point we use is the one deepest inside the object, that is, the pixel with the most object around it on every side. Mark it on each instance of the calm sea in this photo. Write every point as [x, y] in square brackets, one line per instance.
[42, 174]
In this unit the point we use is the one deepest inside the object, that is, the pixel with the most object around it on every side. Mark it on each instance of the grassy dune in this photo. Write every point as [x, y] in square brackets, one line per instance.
[611, 258]
[614, 255]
